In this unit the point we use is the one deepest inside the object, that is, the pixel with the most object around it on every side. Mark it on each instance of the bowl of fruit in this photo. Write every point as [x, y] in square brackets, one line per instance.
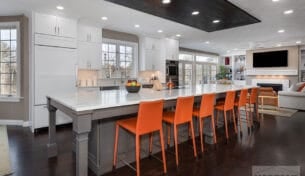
[132, 86]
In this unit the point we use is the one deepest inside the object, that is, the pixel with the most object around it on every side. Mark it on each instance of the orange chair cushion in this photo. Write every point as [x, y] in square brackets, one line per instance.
[220, 107]
[196, 112]
[169, 117]
[301, 87]
[129, 124]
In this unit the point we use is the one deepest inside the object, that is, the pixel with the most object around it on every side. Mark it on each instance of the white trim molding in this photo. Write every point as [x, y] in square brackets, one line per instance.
[15, 122]
[293, 72]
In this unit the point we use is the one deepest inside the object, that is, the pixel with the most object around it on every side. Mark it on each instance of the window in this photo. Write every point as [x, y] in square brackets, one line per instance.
[204, 68]
[118, 58]
[9, 59]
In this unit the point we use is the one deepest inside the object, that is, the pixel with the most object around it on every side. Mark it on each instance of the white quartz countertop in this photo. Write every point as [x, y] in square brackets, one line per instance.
[82, 100]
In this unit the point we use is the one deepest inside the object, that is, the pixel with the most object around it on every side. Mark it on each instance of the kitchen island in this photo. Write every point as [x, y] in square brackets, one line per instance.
[88, 108]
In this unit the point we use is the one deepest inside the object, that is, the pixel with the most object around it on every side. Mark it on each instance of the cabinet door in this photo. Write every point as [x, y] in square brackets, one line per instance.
[89, 55]
[45, 24]
[66, 27]
[82, 33]
[96, 35]
[54, 72]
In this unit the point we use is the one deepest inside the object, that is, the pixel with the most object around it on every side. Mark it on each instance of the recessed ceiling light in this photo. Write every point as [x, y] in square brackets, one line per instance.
[298, 42]
[278, 45]
[104, 18]
[216, 21]
[275, 0]
[136, 25]
[287, 12]
[178, 35]
[207, 42]
[160, 31]
[166, 1]
[281, 31]
[195, 12]
[59, 7]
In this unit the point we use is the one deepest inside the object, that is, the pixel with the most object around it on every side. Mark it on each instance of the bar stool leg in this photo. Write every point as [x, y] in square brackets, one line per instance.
[150, 143]
[168, 131]
[234, 120]
[115, 146]
[163, 152]
[238, 116]
[201, 133]
[176, 144]
[193, 137]
[226, 124]
[213, 128]
[138, 154]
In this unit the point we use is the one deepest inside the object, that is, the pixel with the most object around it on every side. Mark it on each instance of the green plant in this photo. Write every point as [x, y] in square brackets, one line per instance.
[224, 73]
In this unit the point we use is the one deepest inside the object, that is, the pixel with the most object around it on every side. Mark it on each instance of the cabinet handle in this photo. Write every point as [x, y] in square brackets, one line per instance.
[58, 30]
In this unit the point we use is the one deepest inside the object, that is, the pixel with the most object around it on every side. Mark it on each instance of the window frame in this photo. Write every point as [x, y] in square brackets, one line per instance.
[133, 68]
[17, 97]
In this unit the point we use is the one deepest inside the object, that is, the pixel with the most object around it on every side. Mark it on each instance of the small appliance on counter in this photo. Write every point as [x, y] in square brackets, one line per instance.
[172, 71]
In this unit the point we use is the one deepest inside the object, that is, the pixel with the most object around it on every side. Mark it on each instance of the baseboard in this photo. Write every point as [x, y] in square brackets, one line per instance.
[15, 122]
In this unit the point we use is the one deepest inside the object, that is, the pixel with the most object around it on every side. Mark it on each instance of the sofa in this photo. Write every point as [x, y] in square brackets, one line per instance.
[293, 98]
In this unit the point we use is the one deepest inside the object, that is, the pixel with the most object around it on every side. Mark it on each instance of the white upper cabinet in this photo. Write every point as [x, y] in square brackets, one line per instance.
[89, 34]
[171, 47]
[66, 27]
[53, 25]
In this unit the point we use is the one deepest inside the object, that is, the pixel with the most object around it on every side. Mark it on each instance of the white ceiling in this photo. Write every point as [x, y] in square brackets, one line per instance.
[262, 34]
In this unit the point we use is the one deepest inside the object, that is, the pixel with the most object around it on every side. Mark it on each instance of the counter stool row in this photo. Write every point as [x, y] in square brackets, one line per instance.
[150, 117]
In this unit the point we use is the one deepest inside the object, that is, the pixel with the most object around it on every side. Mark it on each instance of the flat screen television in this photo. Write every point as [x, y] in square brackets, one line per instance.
[270, 59]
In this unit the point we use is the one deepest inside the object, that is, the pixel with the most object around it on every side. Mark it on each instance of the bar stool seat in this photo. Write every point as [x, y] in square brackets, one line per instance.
[228, 105]
[182, 115]
[129, 124]
[149, 120]
[169, 117]
[206, 110]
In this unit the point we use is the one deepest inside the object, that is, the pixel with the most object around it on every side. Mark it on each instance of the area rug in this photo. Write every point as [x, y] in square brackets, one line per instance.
[5, 165]
[281, 112]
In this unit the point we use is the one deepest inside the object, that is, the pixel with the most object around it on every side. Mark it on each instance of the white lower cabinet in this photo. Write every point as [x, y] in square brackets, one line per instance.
[41, 119]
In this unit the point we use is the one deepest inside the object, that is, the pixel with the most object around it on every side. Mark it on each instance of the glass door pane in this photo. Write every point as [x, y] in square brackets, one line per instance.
[188, 74]
[199, 74]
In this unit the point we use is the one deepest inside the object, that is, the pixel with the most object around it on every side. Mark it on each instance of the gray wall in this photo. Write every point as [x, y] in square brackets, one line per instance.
[19, 110]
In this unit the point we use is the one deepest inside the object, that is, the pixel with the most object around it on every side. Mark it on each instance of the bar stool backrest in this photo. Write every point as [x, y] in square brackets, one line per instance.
[207, 105]
[149, 116]
[184, 109]
[243, 97]
[253, 95]
[230, 99]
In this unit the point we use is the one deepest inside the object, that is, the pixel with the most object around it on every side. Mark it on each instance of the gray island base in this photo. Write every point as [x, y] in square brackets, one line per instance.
[95, 112]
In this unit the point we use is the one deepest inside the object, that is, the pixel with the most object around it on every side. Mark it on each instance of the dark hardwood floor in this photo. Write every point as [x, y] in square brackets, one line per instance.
[278, 141]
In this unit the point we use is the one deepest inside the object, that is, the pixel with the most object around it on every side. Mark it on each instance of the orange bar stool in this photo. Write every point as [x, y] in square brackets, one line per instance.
[149, 120]
[252, 100]
[182, 115]
[242, 102]
[228, 105]
[206, 110]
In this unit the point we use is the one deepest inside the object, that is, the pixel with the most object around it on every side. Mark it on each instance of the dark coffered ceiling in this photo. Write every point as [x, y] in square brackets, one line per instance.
[230, 16]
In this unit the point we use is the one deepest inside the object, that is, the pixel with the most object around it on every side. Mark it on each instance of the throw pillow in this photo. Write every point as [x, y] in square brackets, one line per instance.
[301, 87]
[293, 88]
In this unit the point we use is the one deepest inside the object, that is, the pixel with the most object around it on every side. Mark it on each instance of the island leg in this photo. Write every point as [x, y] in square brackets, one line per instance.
[82, 127]
[52, 146]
